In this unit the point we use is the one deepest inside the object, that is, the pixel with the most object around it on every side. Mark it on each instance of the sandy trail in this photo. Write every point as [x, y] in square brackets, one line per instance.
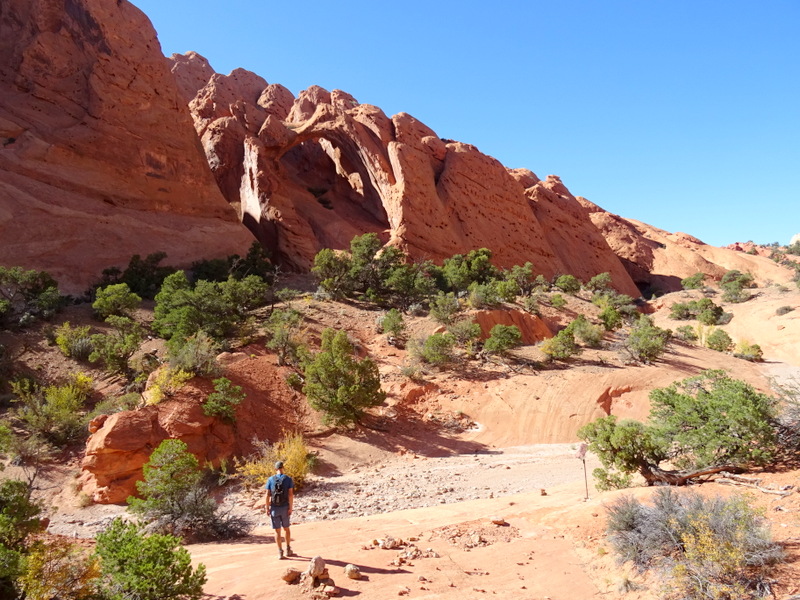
[530, 557]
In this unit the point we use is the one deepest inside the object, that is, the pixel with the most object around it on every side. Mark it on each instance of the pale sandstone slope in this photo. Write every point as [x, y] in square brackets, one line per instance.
[659, 259]
[99, 159]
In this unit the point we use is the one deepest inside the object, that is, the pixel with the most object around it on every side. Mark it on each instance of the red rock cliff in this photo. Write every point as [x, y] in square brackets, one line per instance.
[98, 157]
[313, 171]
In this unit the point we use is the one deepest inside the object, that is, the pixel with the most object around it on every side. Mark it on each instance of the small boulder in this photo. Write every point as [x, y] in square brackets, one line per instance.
[497, 520]
[316, 566]
[352, 571]
[291, 575]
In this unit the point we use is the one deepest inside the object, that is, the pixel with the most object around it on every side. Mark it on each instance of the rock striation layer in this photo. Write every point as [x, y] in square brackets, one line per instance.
[313, 171]
[98, 156]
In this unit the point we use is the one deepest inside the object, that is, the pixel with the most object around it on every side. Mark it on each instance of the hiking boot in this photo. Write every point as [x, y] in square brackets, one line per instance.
[289, 551]
[280, 553]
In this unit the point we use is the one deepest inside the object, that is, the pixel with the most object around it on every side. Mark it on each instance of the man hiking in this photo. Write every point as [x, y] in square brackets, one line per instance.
[280, 498]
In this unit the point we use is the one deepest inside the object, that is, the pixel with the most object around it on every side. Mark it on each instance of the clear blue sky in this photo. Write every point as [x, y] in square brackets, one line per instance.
[684, 114]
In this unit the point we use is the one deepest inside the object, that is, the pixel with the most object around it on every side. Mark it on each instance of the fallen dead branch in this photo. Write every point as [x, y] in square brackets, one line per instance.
[752, 482]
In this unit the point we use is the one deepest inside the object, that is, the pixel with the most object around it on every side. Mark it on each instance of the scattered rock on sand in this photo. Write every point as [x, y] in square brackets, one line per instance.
[390, 543]
[498, 520]
[352, 571]
[291, 575]
[316, 567]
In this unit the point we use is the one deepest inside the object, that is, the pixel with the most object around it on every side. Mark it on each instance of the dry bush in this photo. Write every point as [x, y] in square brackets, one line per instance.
[703, 547]
[298, 461]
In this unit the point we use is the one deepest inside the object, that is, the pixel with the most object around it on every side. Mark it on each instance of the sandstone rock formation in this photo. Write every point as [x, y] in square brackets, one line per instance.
[658, 260]
[532, 328]
[98, 157]
[122, 443]
[313, 171]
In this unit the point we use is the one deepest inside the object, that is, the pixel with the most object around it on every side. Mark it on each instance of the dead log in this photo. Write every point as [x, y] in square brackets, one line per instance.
[655, 475]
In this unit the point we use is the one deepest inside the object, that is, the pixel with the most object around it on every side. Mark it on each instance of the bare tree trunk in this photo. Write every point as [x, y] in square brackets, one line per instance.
[655, 475]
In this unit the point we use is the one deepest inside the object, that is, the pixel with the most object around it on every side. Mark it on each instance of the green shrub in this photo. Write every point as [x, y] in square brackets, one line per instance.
[198, 356]
[255, 262]
[734, 294]
[143, 277]
[392, 323]
[737, 277]
[502, 339]
[465, 333]
[332, 270]
[283, 332]
[146, 567]
[611, 318]
[622, 305]
[748, 351]
[686, 333]
[719, 340]
[531, 303]
[680, 311]
[483, 295]
[522, 277]
[605, 480]
[506, 290]
[26, 296]
[695, 282]
[591, 335]
[436, 349]
[223, 401]
[116, 299]
[55, 412]
[339, 384]
[367, 269]
[445, 309]
[562, 346]
[19, 517]
[115, 404]
[460, 271]
[371, 264]
[74, 342]
[411, 284]
[177, 498]
[599, 283]
[114, 349]
[784, 310]
[294, 381]
[19, 514]
[733, 284]
[557, 301]
[167, 381]
[646, 342]
[220, 309]
[568, 284]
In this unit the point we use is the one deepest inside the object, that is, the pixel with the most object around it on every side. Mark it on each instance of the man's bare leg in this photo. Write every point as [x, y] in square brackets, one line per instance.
[279, 541]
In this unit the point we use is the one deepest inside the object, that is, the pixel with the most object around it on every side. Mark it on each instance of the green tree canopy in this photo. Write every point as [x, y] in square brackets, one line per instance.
[339, 384]
[218, 308]
[700, 425]
[502, 339]
[116, 299]
[146, 567]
